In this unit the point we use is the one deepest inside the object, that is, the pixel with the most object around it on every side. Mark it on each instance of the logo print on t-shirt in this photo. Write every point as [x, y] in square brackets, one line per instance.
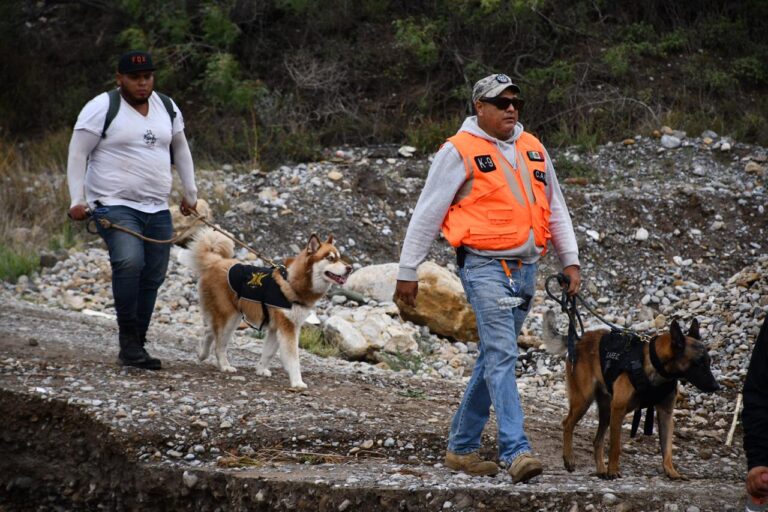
[150, 138]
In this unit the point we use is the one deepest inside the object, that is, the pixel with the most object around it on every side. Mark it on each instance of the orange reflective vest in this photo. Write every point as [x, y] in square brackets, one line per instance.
[503, 204]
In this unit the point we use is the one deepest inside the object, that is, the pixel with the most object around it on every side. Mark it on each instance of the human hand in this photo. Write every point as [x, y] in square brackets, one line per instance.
[757, 484]
[573, 273]
[186, 208]
[79, 212]
[406, 292]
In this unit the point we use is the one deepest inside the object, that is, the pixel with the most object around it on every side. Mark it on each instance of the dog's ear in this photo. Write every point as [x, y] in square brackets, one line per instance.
[330, 239]
[678, 338]
[693, 332]
[314, 244]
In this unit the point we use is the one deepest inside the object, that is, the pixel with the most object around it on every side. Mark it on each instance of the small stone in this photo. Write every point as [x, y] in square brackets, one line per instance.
[344, 505]
[335, 175]
[641, 234]
[670, 141]
[190, 479]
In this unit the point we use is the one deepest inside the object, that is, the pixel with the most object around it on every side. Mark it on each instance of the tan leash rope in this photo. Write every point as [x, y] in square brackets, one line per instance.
[107, 224]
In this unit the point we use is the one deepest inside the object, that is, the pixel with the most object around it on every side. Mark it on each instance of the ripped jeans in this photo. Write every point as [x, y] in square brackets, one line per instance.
[493, 377]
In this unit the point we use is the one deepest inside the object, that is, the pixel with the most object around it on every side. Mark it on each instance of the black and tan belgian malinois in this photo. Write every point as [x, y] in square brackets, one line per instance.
[623, 373]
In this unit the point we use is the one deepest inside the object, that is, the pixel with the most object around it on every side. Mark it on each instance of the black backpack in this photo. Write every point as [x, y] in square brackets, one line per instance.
[114, 107]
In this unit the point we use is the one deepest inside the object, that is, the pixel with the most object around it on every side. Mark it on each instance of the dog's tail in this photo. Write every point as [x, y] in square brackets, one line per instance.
[553, 341]
[207, 248]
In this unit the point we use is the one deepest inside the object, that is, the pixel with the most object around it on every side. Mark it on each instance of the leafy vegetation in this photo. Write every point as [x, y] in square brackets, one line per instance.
[313, 340]
[15, 263]
[276, 80]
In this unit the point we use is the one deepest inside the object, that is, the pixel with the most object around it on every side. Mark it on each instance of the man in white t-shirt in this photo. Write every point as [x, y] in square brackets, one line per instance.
[121, 171]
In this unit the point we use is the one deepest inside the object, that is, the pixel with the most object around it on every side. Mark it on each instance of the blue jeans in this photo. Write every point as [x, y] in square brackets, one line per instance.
[138, 267]
[493, 377]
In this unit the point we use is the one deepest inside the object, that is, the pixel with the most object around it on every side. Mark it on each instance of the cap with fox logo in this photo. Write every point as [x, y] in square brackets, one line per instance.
[135, 61]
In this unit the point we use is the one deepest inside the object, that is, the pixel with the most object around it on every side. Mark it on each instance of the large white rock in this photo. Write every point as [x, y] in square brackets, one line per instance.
[441, 304]
[375, 281]
[381, 328]
[350, 341]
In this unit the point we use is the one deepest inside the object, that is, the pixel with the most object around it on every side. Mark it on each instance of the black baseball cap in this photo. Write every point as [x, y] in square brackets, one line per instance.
[135, 61]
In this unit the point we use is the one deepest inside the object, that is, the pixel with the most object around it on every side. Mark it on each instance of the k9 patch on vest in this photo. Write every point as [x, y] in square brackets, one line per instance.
[485, 163]
[540, 176]
[535, 156]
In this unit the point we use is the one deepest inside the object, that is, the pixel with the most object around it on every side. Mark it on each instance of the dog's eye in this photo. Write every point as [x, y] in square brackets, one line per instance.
[331, 257]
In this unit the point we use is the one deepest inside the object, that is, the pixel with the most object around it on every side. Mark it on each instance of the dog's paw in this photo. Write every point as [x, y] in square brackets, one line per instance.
[569, 464]
[299, 386]
[610, 476]
[228, 368]
[674, 475]
[263, 372]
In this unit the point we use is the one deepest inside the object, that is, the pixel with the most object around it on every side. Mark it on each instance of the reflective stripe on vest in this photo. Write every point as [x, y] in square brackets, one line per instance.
[498, 205]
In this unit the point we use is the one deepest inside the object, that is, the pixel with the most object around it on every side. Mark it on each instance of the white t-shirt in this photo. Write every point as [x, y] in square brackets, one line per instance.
[131, 166]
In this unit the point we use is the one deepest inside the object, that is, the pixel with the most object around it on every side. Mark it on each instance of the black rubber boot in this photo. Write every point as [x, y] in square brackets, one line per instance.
[150, 360]
[132, 353]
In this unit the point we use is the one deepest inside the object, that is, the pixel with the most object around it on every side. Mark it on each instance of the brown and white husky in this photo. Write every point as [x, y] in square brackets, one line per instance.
[300, 285]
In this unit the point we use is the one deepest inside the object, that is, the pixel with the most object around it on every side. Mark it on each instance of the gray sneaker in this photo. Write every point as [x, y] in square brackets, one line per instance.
[524, 467]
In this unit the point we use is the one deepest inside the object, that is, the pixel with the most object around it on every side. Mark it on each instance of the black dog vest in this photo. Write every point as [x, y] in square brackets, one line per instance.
[256, 284]
[622, 352]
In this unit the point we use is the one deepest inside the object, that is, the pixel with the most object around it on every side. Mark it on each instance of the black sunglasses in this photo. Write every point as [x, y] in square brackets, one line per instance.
[503, 103]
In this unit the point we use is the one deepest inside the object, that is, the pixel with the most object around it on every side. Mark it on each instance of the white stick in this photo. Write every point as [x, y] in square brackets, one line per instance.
[729, 440]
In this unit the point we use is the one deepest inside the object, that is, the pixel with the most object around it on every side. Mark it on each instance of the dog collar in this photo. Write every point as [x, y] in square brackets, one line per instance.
[656, 362]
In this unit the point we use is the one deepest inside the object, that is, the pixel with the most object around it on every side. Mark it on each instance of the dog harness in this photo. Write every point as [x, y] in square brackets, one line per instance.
[622, 352]
[257, 284]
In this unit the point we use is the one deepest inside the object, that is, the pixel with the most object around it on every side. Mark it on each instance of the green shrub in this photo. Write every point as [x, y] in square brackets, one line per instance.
[400, 361]
[218, 30]
[673, 42]
[567, 168]
[223, 84]
[427, 136]
[419, 39]
[617, 60]
[554, 80]
[312, 340]
[14, 263]
[750, 69]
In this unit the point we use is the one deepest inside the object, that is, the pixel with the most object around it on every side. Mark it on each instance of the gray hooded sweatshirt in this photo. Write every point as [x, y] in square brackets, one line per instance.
[447, 183]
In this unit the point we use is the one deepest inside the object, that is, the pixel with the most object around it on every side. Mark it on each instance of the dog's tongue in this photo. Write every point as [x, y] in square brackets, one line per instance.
[337, 278]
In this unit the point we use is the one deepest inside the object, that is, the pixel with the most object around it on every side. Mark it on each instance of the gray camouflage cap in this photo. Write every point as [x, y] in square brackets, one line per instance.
[493, 85]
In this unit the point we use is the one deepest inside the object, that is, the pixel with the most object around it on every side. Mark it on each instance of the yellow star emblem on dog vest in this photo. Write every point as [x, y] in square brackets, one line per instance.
[256, 279]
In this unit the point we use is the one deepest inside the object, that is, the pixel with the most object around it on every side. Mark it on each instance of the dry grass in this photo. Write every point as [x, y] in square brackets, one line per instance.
[34, 194]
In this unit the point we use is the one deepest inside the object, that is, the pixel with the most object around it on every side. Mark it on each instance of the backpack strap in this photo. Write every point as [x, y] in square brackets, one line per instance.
[172, 113]
[114, 106]
[168, 104]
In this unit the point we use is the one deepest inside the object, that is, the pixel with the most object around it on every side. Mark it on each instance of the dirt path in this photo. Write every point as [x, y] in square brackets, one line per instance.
[79, 432]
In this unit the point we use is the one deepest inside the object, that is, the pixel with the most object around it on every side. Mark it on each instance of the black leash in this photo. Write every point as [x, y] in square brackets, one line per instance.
[568, 306]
